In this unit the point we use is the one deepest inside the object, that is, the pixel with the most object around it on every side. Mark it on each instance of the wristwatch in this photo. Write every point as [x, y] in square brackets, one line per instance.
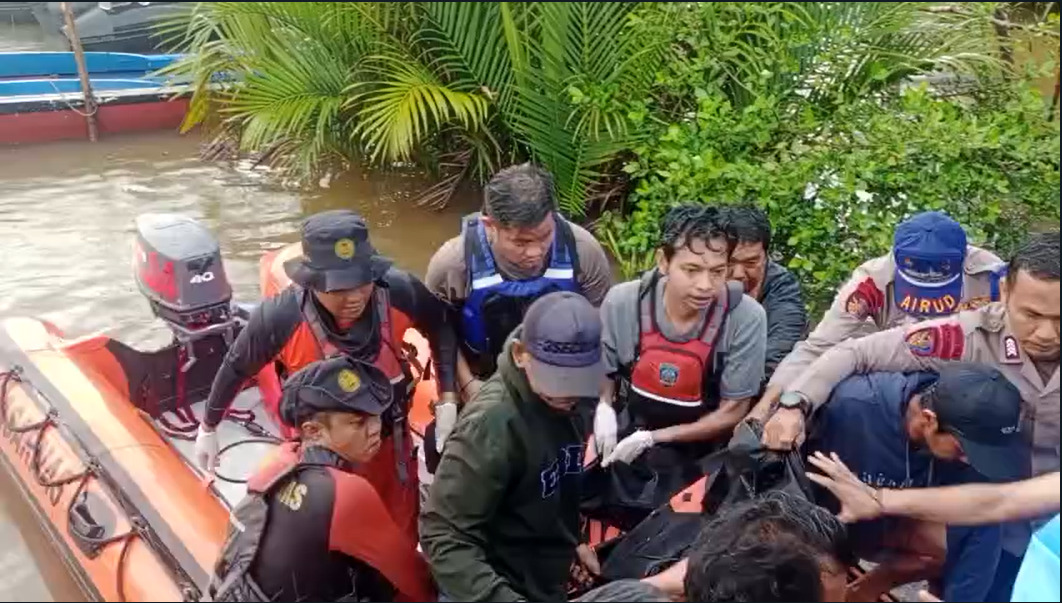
[795, 400]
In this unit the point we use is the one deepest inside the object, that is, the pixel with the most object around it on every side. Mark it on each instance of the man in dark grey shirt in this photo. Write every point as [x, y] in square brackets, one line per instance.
[766, 281]
[685, 350]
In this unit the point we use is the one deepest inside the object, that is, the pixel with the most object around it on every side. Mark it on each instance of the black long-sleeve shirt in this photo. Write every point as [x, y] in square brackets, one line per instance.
[787, 318]
[275, 321]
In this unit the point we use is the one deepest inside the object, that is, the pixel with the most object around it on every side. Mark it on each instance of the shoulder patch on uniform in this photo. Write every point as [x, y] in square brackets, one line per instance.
[944, 341]
[975, 303]
[1010, 348]
[866, 299]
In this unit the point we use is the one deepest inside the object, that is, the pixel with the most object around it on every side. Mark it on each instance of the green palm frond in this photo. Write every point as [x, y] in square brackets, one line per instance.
[398, 113]
[826, 52]
[566, 45]
[463, 41]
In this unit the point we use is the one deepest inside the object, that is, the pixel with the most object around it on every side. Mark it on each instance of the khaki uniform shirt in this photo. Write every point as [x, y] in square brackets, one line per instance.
[865, 304]
[981, 336]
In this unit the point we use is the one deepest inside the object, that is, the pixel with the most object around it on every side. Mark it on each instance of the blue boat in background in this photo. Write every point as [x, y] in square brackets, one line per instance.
[41, 97]
[62, 64]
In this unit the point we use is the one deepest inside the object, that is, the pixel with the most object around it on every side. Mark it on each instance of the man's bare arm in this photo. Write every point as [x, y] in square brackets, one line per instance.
[975, 504]
[709, 427]
[970, 504]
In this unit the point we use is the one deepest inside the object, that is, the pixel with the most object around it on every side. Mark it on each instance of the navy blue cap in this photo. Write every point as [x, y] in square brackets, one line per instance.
[978, 405]
[562, 331]
[929, 249]
[339, 384]
[336, 253]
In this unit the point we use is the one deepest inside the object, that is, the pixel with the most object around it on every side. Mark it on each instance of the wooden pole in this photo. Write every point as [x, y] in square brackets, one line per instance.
[82, 70]
[1054, 99]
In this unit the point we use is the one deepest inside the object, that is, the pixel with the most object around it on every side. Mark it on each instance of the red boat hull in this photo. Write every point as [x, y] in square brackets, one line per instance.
[66, 124]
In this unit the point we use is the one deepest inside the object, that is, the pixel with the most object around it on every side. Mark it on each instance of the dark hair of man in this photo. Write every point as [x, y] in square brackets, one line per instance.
[748, 224]
[772, 548]
[1038, 256]
[927, 400]
[690, 222]
[520, 196]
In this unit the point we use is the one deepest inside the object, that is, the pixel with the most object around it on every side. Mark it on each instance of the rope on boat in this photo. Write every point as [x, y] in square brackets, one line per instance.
[138, 527]
[41, 428]
[62, 98]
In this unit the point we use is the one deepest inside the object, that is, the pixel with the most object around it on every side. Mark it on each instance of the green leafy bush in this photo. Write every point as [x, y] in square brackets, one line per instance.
[468, 87]
[834, 187]
[465, 88]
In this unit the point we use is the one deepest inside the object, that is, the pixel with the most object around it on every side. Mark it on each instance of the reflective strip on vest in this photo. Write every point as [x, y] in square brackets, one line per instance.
[658, 398]
[559, 273]
[486, 283]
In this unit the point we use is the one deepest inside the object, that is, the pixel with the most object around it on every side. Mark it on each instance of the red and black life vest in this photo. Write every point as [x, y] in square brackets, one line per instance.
[311, 342]
[390, 355]
[234, 573]
[232, 579]
[671, 382]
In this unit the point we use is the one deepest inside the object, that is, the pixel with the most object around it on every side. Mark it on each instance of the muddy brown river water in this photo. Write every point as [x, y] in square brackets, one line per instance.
[66, 229]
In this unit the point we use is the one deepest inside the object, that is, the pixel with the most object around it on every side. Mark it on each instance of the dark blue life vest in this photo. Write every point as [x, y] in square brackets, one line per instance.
[495, 305]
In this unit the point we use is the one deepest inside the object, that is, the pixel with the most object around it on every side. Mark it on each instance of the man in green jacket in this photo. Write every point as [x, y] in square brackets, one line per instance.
[502, 520]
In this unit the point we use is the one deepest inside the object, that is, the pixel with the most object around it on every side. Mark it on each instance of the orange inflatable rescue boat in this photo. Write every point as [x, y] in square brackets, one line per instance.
[99, 436]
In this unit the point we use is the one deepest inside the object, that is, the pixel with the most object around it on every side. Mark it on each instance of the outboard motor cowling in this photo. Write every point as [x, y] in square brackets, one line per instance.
[178, 267]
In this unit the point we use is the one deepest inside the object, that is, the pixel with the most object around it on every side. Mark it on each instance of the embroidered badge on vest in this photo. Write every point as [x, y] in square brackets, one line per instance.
[865, 300]
[946, 342]
[975, 303]
[669, 374]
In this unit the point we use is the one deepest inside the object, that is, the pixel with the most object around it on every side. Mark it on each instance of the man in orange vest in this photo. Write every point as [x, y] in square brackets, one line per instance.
[346, 300]
[309, 528]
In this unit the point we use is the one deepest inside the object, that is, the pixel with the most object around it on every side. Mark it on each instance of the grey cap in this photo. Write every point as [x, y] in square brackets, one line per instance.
[562, 331]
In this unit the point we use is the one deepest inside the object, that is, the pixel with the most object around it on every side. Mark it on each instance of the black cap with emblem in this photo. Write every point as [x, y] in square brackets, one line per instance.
[980, 407]
[336, 253]
[339, 384]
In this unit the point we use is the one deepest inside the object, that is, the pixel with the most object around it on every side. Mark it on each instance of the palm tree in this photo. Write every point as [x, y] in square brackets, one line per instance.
[479, 83]
[466, 87]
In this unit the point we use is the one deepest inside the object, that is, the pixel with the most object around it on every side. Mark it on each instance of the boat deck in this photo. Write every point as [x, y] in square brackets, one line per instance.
[242, 451]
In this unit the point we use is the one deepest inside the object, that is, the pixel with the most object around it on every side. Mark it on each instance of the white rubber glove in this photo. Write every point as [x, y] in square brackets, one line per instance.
[630, 448]
[445, 419]
[206, 448]
[604, 429]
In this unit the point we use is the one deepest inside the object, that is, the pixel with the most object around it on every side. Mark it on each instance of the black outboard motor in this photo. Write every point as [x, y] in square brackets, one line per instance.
[178, 267]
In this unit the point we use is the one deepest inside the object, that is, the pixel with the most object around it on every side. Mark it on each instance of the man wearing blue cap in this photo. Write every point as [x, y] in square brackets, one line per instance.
[931, 272]
[501, 522]
[1018, 336]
